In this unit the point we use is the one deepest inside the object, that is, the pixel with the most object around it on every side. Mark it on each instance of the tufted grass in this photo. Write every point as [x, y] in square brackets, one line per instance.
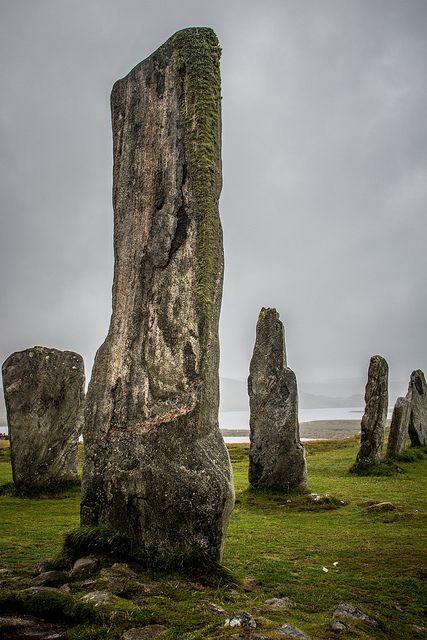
[277, 545]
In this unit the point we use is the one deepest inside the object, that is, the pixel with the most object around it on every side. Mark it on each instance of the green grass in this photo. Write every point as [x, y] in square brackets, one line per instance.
[280, 542]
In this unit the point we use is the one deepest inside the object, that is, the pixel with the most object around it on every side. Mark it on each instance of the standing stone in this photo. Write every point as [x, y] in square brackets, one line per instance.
[398, 427]
[156, 466]
[276, 455]
[375, 416]
[44, 393]
[418, 417]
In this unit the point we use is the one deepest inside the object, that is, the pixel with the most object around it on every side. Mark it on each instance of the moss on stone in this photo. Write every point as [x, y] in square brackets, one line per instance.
[198, 56]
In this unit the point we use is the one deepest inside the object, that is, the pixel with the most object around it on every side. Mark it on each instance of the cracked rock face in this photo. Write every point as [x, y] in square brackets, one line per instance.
[418, 415]
[276, 455]
[156, 467]
[375, 416]
[44, 394]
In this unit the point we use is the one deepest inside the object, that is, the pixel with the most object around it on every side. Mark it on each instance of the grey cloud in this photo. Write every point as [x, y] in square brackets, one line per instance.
[325, 161]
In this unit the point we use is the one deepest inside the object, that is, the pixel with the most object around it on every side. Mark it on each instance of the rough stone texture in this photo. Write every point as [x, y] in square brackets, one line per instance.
[399, 427]
[156, 467]
[345, 610]
[375, 416]
[336, 626]
[47, 578]
[240, 619]
[418, 417]
[44, 393]
[276, 455]
[85, 566]
[144, 633]
[289, 631]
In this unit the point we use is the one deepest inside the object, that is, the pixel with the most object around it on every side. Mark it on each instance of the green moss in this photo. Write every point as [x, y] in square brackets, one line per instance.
[114, 545]
[48, 605]
[198, 56]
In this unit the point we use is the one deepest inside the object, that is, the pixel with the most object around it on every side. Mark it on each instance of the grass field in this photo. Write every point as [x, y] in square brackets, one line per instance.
[277, 546]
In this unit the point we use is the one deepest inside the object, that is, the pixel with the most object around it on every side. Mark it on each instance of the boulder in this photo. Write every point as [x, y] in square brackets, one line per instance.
[398, 427]
[289, 631]
[276, 455]
[240, 619]
[156, 467]
[417, 427]
[144, 633]
[48, 578]
[345, 610]
[85, 566]
[44, 393]
[375, 416]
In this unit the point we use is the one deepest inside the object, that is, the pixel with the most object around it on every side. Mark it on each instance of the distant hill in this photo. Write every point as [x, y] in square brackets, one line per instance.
[312, 401]
[234, 397]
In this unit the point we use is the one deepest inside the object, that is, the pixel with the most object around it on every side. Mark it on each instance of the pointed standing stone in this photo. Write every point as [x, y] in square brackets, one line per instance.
[418, 417]
[156, 467]
[398, 427]
[44, 393]
[276, 455]
[375, 416]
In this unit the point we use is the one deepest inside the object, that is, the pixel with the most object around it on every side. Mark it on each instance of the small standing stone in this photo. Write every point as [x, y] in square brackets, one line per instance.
[276, 455]
[398, 427]
[44, 393]
[375, 416]
[418, 416]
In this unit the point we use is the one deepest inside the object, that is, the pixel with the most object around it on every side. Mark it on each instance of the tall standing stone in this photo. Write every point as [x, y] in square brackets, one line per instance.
[156, 467]
[276, 455]
[375, 416]
[398, 427]
[418, 416]
[44, 393]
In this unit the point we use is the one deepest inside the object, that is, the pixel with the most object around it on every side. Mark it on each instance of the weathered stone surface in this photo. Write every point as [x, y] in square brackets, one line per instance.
[144, 633]
[118, 570]
[336, 626]
[156, 467]
[279, 603]
[85, 566]
[289, 631]
[276, 455]
[47, 578]
[240, 619]
[44, 393]
[398, 427]
[375, 416]
[418, 416]
[345, 610]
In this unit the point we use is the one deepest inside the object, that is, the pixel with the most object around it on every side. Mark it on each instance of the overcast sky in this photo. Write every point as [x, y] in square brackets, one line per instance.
[325, 173]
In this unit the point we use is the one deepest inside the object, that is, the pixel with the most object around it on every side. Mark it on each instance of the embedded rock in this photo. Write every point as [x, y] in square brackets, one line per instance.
[48, 578]
[350, 611]
[276, 455]
[398, 427]
[85, 566]
[240, 619]
[418, 416]
[144, 633]
[156, 467]
[375, 416]
[44, 393]
[290, 631]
